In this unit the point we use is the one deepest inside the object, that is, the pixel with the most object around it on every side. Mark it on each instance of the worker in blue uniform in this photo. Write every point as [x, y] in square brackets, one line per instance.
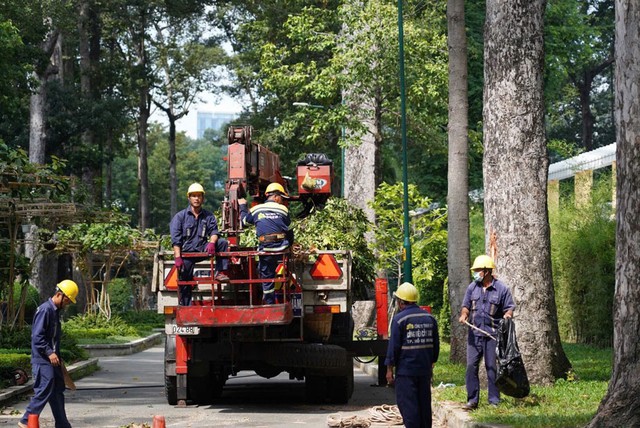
[414, 346]
[195, 230]
[272, 221]
[486, 301]
[46, 363]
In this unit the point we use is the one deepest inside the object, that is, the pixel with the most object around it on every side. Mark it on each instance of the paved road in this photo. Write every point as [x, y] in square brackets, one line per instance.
[129, 390]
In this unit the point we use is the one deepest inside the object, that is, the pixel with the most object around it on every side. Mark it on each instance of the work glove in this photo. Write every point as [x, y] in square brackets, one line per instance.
[179, 263]
[211, 249]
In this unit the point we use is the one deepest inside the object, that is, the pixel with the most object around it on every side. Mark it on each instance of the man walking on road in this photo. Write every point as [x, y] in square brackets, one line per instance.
[413, 349]
[485, 303]
[195, 230]
[48, 380]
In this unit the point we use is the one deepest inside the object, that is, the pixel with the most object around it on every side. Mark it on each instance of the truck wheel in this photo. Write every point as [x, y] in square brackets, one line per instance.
[315, 388]
[171, 390]
[170, 382]
[340, 388]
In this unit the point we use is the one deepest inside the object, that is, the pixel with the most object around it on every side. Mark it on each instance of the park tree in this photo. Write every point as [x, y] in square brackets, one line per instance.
[458, 174]
[515, 179]
[620, 406]
[186, 67]
[578, 77]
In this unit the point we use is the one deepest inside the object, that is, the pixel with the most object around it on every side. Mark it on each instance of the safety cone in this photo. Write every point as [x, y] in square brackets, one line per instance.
[158, 422]
[33, 421]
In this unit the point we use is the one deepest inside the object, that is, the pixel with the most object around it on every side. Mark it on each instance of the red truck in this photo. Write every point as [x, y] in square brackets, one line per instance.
[307, 333]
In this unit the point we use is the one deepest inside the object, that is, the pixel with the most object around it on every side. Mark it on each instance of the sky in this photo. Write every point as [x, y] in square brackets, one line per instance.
[188, 124]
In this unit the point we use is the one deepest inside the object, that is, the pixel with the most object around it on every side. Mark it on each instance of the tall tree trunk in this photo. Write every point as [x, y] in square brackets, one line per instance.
[515, 168]
[458, 176]
[360, 181]
[89, 50]
[52, 48]
[38, 103]
[144, 107]
[173, 175]
[584, 90]
[620, 406]
[143, 168]
[583, 82]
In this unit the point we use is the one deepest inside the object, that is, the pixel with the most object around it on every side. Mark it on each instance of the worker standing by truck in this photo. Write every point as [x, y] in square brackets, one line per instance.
[195, 230]
[48, 380]
[414, 346]
[272, 221]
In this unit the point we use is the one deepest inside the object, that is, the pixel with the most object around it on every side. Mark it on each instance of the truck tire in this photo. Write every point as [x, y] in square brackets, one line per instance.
[315, 388]
[340, 388]
[170, 382]
[171, 390]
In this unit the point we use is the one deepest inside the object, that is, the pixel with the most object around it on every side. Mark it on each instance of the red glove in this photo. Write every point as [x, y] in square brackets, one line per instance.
[211, 248]
[179, 263]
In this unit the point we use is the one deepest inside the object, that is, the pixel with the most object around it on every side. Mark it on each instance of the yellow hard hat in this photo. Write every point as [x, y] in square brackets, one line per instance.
[483, 262]
[407, 292]
[195, 188]
[69, 289]
[275, 187]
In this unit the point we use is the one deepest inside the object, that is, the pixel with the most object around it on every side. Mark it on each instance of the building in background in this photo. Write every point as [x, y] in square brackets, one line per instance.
[215, 121]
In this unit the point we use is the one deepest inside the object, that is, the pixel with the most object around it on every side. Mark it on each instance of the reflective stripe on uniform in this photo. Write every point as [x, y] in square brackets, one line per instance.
[418, 347]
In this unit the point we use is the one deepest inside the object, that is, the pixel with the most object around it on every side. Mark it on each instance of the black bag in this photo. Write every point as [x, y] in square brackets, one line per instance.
[512, 377]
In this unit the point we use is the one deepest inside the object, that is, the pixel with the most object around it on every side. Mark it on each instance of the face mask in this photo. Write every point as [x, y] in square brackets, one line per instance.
[477, 276]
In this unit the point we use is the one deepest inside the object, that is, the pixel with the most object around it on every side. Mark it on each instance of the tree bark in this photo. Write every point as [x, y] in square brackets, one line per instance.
[458, 176]
[360, 178]
[89, 50]
[515, 169]
[620, 406]
[144, 108]
[38, 103]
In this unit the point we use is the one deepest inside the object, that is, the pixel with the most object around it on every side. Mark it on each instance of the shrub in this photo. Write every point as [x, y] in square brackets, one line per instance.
[583, 257]
[97, 326]
[16, 338]
[143, 320]
[121, 295]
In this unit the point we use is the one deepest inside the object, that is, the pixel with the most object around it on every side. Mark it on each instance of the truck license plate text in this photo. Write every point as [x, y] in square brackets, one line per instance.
[176, 329]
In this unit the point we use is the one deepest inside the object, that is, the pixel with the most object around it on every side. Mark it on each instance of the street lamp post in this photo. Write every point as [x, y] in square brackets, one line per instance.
[408, 276]
[303, 104]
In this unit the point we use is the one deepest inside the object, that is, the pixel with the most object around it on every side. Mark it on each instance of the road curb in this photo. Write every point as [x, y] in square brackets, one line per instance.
[119, 349]
[84, 368]
[77, 370]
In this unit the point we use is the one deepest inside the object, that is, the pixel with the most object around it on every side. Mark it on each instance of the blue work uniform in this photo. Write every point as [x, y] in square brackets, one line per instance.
[48, 381]
[413, 348]
[272, 228]
[192, 234]
[486, 309]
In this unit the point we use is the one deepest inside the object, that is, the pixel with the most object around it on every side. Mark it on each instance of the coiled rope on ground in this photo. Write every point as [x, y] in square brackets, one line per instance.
[386, 414]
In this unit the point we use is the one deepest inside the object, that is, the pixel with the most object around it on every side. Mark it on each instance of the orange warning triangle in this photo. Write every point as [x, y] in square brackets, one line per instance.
[171, 281]
[326, 267]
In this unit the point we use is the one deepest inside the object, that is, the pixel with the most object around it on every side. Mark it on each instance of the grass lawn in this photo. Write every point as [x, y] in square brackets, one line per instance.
[567, 403]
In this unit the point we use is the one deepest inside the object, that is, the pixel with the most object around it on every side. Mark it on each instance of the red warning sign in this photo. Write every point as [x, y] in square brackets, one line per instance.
[171, 281]
[326, 267]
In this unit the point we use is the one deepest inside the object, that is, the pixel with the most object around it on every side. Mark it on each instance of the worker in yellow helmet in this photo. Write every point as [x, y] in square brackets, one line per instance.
[414, 346]
[195, 230]
[272, 221]
[486, 301]
[46, 364]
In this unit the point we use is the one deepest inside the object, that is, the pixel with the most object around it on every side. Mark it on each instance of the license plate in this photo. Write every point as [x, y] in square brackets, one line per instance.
[184, 331]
